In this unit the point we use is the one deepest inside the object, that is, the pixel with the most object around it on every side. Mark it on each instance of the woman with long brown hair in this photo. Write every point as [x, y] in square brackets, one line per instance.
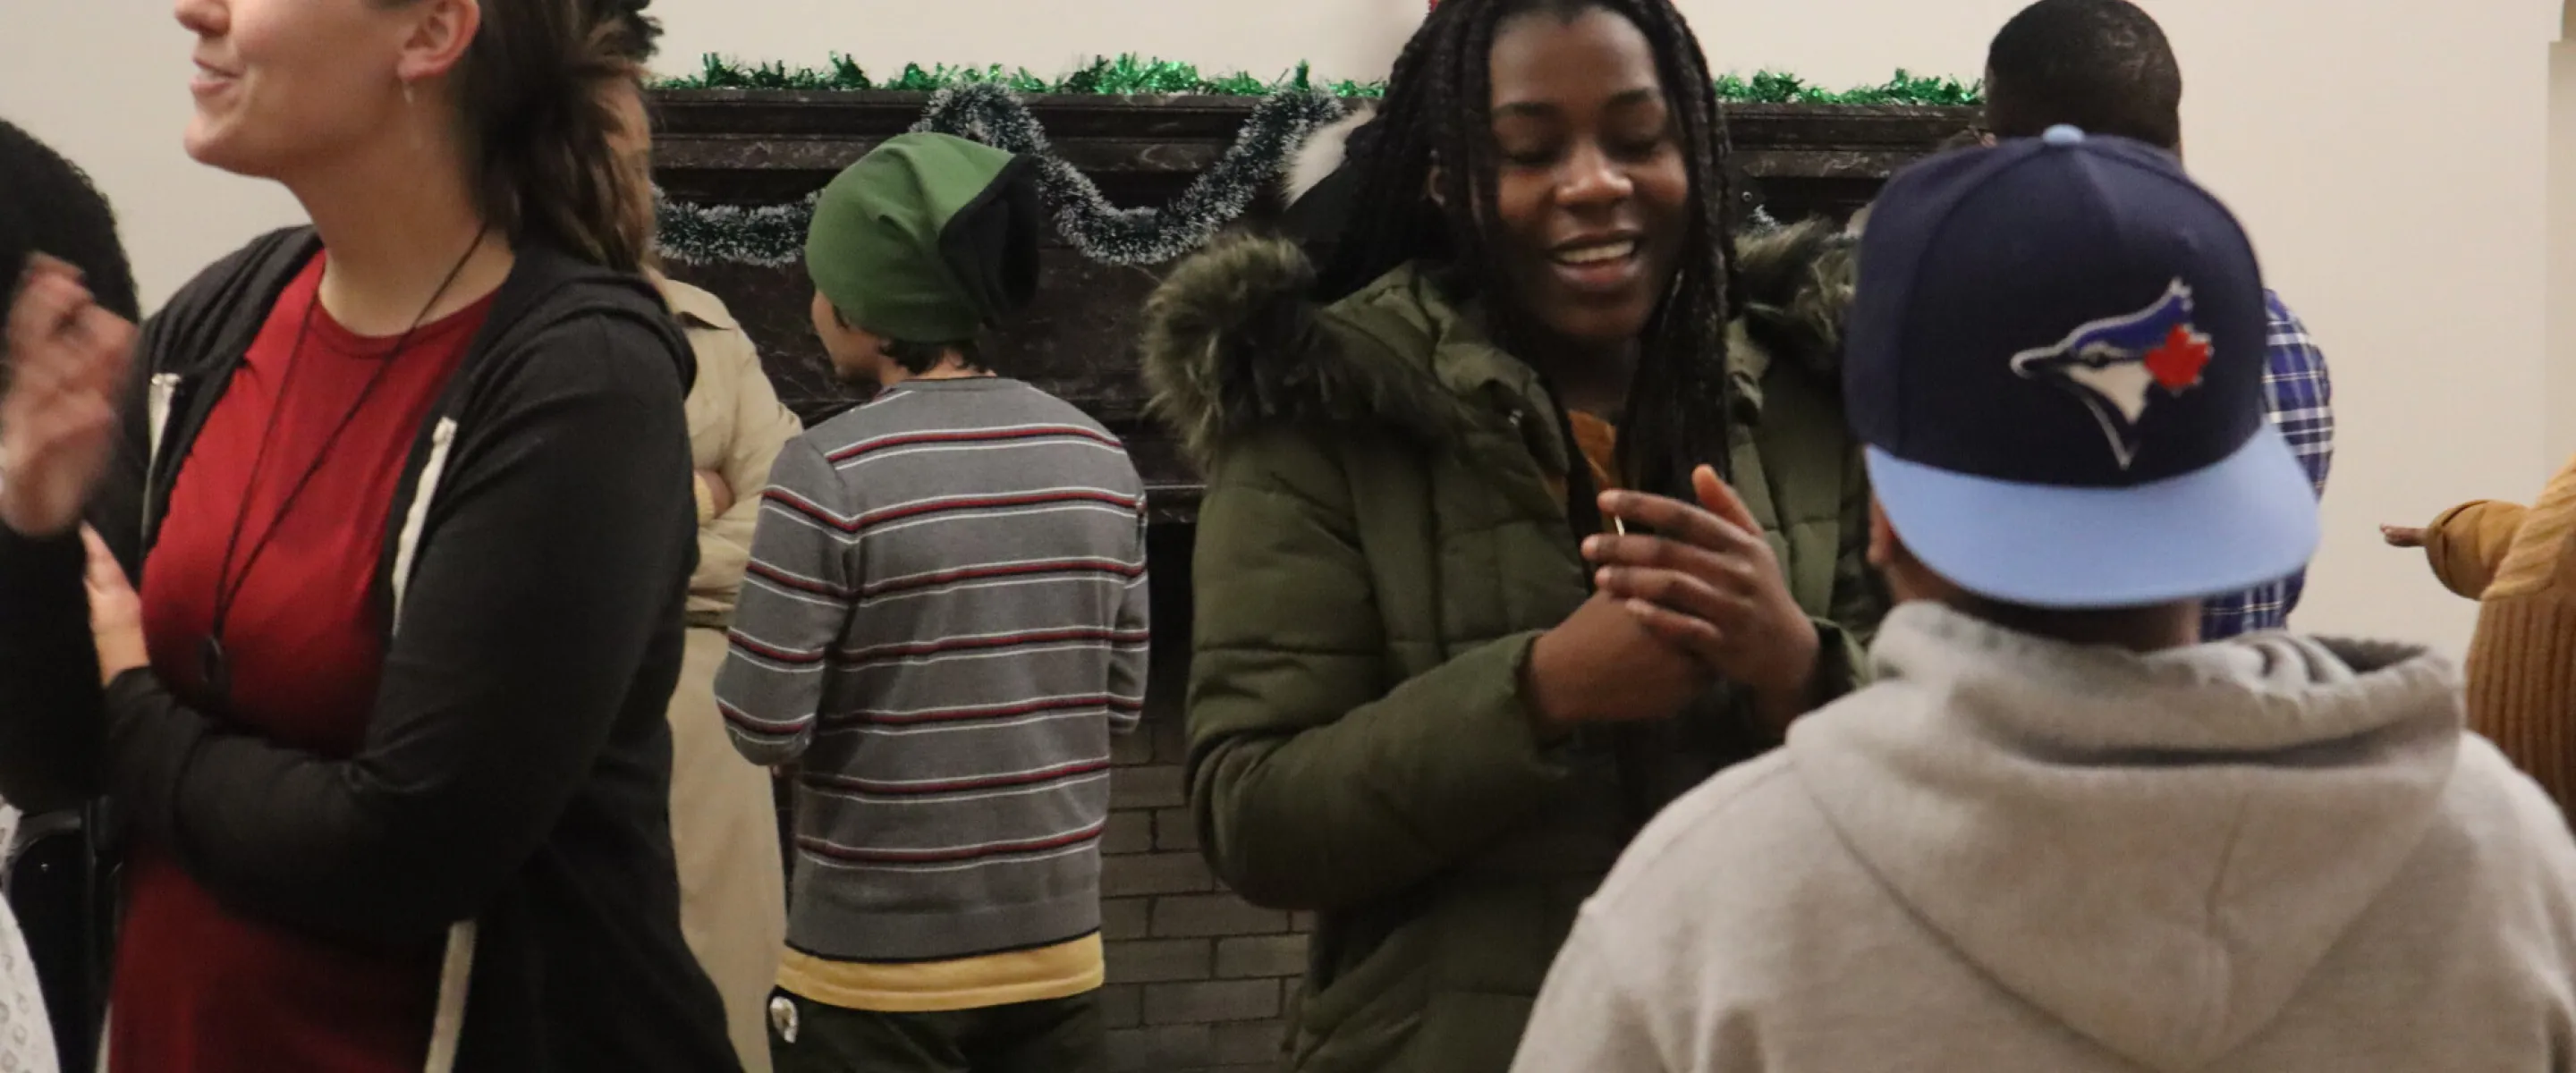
[406, 495]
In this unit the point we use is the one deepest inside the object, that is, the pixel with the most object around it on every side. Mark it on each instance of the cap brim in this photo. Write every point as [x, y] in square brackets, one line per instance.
[2246, 521]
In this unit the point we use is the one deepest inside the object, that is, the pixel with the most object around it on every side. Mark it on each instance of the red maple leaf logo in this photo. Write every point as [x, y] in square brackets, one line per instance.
[2178, 361]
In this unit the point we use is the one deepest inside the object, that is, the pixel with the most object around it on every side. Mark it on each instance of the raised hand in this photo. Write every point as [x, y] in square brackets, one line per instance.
[1709, 584]
[68, 360]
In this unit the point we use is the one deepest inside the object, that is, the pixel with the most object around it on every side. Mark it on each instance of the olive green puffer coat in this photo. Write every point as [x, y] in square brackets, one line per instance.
[1378, 546]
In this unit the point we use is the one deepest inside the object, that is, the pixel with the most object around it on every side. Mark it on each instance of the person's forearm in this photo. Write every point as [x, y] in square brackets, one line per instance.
[800, 587]
[50, 738]
[2466, 543]
[771, 683]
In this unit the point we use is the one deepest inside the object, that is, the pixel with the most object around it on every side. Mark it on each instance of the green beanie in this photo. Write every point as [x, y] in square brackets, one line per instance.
[927, 239]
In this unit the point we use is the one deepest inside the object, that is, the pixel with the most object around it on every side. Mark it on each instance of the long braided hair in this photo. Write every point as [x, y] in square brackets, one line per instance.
[1438, 108]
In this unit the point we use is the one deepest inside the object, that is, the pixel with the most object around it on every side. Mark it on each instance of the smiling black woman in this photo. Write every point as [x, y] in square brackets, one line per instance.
[1410, 710]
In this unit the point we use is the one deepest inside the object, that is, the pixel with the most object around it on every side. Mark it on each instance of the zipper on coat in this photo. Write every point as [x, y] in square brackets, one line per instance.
[442, 438]
[447, 1026]
[159, 403]
[456, 969]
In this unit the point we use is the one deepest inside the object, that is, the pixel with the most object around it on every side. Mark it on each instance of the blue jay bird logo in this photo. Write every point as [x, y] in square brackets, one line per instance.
[2113, 364]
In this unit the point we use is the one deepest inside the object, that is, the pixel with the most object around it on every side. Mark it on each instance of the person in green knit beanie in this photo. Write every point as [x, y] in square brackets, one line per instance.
[948, 739]
[917, 248]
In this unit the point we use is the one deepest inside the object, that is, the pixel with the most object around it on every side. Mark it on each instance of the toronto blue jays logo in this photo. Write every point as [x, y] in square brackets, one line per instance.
[2114, 364]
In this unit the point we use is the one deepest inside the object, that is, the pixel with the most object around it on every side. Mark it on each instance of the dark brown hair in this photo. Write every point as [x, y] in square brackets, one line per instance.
[538, 125]
[919, 357]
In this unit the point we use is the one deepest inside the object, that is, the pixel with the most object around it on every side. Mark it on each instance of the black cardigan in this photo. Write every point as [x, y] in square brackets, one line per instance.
[513, 788]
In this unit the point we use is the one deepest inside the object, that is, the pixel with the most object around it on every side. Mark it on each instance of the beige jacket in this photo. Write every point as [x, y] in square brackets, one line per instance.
[736, 426]
[724, 827]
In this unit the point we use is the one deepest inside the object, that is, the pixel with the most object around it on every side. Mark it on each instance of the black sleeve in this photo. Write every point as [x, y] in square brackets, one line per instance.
[50, 730]
[558, 547]
[49, 697]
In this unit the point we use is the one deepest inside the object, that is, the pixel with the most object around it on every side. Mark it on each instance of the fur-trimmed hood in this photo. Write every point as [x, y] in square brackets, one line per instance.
[1232, 339]
[1795, 283]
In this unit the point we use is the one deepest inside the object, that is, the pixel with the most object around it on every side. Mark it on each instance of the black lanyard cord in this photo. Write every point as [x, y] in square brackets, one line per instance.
[228, 585]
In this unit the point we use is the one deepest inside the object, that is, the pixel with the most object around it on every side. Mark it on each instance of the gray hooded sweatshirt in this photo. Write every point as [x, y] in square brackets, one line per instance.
[2273, 854]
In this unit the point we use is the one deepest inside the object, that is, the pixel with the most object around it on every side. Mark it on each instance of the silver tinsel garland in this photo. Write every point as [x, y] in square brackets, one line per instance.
[774, 235]
[770, 236]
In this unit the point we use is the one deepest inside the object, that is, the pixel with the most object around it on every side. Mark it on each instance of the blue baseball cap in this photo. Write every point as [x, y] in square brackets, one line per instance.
[2055, 362]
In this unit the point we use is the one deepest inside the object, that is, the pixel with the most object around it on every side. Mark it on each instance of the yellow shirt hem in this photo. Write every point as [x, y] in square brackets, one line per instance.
[1050, 972]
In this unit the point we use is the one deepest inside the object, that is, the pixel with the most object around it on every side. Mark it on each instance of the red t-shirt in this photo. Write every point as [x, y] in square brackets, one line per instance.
[199, 988]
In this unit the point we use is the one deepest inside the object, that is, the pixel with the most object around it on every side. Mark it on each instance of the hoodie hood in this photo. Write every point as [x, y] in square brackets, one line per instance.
[228, 303]
[1234, 339]
[2157, 850]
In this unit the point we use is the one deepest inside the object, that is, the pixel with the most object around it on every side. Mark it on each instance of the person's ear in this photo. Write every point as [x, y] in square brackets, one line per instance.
[1433, 184]
[1986, 108]
[1906, 577]
[1882, 537]
[441, 31]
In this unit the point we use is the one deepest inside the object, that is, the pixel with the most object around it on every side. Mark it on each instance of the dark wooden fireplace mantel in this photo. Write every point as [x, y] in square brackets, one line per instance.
[763, 147]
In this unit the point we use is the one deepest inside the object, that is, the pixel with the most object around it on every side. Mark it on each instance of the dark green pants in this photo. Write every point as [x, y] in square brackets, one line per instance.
[1057, 1036]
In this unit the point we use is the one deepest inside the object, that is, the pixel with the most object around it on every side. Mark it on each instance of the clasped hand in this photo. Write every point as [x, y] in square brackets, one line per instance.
[1708, 583]
[1702, 599]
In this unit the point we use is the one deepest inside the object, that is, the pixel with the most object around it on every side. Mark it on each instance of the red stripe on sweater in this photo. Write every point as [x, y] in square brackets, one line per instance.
[1008, 711]
[790, 581]
[955, 786]
[774, 655]
[859, 450]
[1007, 640]
[806, 507]
[980, 573]
[762, 727]
[820, 848]
[1026, 499]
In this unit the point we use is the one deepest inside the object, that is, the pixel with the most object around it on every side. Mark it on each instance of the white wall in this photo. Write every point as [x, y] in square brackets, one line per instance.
[105, 82]
[2559, 429]
[2389, 157]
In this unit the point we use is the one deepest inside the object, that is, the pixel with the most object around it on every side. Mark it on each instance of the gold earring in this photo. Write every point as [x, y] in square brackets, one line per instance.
[406, 85]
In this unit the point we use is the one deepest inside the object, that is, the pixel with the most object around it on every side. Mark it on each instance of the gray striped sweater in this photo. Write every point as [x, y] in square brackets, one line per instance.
[943, 622]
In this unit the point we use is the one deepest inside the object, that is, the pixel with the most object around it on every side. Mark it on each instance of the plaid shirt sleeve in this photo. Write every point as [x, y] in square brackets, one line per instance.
[2300, 398]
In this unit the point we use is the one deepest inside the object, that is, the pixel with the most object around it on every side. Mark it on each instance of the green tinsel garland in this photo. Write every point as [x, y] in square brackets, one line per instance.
[989, 112]
[1131, 74]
